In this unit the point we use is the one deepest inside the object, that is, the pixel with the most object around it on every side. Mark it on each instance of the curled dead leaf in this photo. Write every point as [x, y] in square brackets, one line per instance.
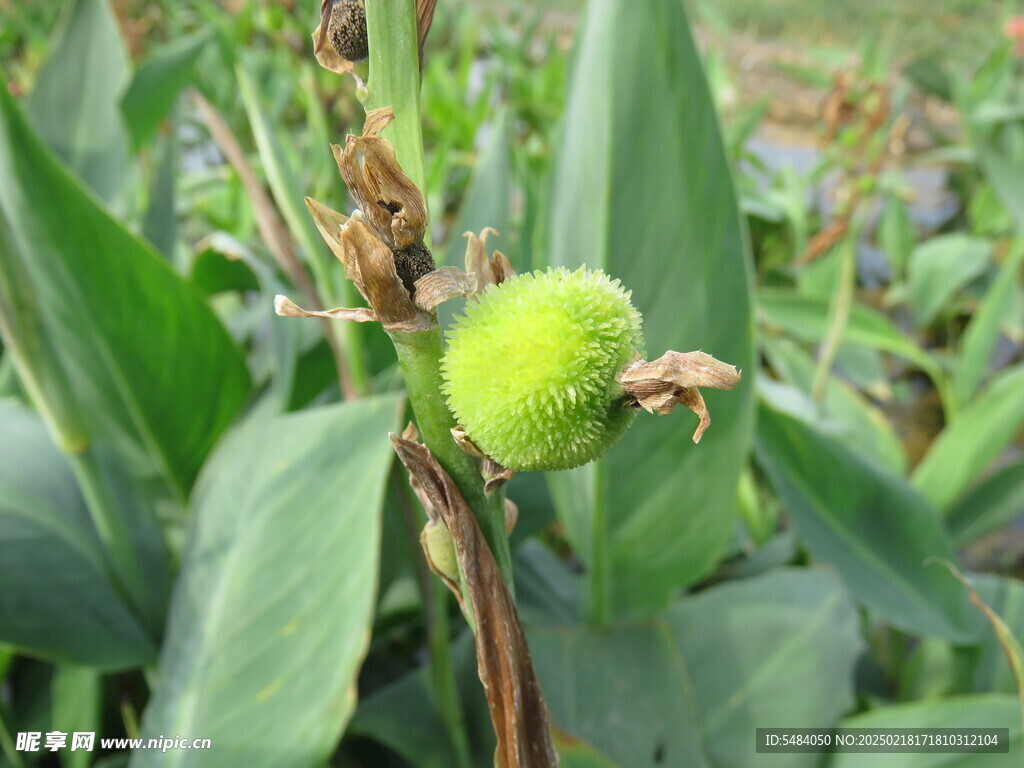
[511, 516]
[441, 285]
[485, 271]
[673, 379]
[516, 704]
[391, 204]
[285, 307]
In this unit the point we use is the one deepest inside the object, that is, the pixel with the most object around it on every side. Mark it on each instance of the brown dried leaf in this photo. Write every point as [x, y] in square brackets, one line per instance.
[495, 475]
[285, 307]
[377, 120]
[511, 516]
[466, 445]
[424, 18]
[514, 698]
[331, 225]
[326, 56]
[441, 285]
[379, 282]
[323, 49]
[673, 379]
[391, 204]
[486, 271]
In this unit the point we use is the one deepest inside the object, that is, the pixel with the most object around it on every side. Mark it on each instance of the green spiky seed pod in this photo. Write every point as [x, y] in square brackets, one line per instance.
[530, 371]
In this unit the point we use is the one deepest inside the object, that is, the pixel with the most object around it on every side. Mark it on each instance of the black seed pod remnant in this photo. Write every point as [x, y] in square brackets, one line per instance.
[412, 263]
[346, 29]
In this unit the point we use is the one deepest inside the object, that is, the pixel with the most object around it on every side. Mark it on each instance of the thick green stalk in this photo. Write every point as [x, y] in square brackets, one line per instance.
[394, 79]
[419, 354]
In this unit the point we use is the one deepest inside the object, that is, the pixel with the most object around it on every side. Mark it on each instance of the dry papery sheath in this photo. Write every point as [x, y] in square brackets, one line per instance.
[381, 245]
[673, 379]
[514, 697]
[340, 39]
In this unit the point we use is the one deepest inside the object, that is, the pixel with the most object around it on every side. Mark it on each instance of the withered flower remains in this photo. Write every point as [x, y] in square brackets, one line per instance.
[546, 370]
[340, 39]
[380, 245]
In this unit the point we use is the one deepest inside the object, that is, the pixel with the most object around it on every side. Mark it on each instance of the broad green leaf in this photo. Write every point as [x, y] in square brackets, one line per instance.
[271, 615]
[979, 340]
[157, 83]
[487, 201]
[994, 502]
[871, 525]
[939, 268]
[404, 716]
[986, 711]
[967, 446]
[806, 318]
[546, 592]
[643, 191]
[159, 225]
[75, 104]
[688, 688]
[146, 360]
[862, 426]
[57, 599]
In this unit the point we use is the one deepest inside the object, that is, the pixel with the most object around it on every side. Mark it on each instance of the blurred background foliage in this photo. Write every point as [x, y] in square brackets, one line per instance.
[199, 522]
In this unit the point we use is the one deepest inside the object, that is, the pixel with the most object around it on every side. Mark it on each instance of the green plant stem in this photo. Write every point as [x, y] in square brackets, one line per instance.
[394, 80]
[442, 673]
[842, 301]
[419, 354]
[111, 527]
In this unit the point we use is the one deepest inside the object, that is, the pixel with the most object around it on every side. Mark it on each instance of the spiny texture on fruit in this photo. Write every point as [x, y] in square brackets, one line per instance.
[530, 370]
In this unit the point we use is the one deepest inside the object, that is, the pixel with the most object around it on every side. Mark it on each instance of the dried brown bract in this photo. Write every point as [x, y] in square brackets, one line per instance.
[381, 245]
[340, 38]
[485, 271]
[673, 379]
[391, 204]
[514, 698]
